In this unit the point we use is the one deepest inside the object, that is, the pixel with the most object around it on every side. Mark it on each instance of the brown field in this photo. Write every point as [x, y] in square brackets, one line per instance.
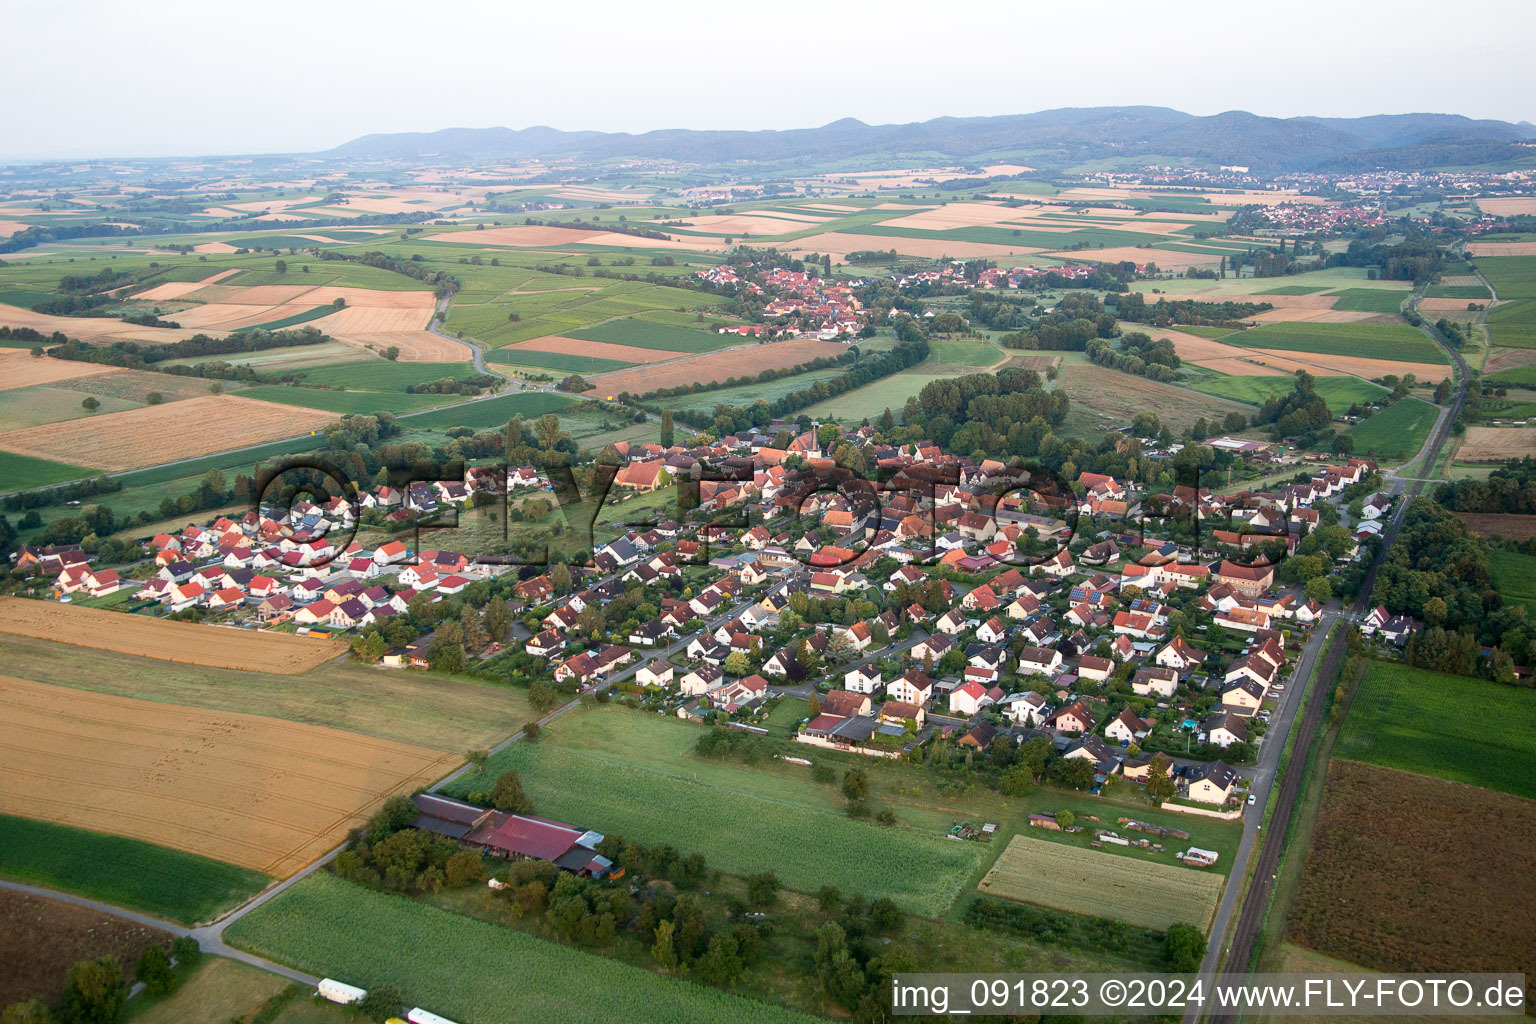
[1224, 358]
[1446, 305]
[1166, 259]
[1508, 359]
[961, 215]
[1120, 396]
[515, 237]
[1296, 960]
[1501, 248]
[136, 438]
[1244, 368]
[839, 244]
[214, 247]
[1487, 444]
[414, 346]
[90, 328]
[597, 349]
[1509, 206]
[1315, 363]
[1297, 314]
[40, 938]
[831, 207]
[708, 367]
[258, 792]
[1499, 524]
[19, 368]
[165, 639]
[761, 223]
[1410, 873]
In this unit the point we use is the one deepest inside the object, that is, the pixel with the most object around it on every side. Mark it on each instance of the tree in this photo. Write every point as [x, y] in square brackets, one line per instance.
[464, 868]
[381, 1003]
[812, 705]
[154, 398]
[662, 950]
[1017, 781]
[666, 428]
[1319, 589]
[560, 578]
[94, 992]
[856, 784]
[90, 404]
[186, 952]
[736, 664]
[33, 1011]
[1184, 947]
[763, 889]
[1159, 786]
[497, 621]
[339, 302]
[281, 266]
[1065, 818]
[721, 965]
[508, 795]
[154, 970]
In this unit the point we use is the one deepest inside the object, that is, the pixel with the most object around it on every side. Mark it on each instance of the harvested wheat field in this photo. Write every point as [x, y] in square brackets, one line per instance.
[19, 368]
[215, 247]
[259, 792]
[180, 289]
[1143, 893]
[709, 367]
[1115, 398]
[1300, 314]
[1235, 367]
[1501, 248]
[1318, 363]
[960, 215]
[1488, 444]
[165, 639]
[749, 224]
[1509, 206]
[414, 346]
[1448, 305]
[149, 436]
[595, 349]
[90, 328]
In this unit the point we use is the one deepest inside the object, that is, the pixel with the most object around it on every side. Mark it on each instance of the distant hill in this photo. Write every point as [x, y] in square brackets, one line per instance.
[1047, 138]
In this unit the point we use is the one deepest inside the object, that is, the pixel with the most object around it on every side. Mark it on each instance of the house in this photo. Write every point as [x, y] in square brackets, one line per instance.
[846, 704]
[700, 680]
[911, 687]
[969, 698]
[1039, 661]
[1094, 668]
[1179, 655]
[992, 631]
[1127, 728]
[733, 697]
[1027, 709]
[657, 673]
[1137, 769]
[1075, 717]
[898, 712]
[1155, 681]
[862, 679]
[934, 648]
[1397, 628]
[1254, 667]
[1243, 696]
[1224, 729]
[951, 622]
[1373, 621]
[1211, 783]
[1248, 580]
[275, 609]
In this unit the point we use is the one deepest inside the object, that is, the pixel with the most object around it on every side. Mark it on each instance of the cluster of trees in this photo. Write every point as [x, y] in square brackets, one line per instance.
[1299, 411]
[473, 384]
[1166, 313]
[59, 495]
[1078, 318]
[143, 357]
[1007, 412]
[1180, 949]
[1155, 360]
[1509, 489]
[392, 855]
[415, 268]
[95, 991]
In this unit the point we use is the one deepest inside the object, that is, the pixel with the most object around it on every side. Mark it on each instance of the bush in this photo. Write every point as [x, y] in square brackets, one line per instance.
[1185, 947]
[154, 970]
[382, 1001]
[186, 952]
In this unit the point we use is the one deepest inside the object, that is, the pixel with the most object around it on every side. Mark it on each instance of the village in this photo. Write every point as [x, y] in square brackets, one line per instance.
[960, 602]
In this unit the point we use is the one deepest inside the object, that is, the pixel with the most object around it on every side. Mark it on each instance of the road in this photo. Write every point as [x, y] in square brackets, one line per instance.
[1239, 952]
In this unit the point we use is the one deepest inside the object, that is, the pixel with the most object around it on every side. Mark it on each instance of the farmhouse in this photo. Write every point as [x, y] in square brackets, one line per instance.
[515, 836]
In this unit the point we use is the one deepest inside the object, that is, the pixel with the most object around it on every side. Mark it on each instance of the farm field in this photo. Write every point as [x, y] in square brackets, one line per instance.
[220, 990]
[1514, 574]
[1410, 719]
[1513, 324]
[1370, 300]
[1391, 882]
[1496, 444]
[644, 334]
[1110, 398]
[491, 412]
[719, 366]
[40, 938]
[1513, 276]
[1387, 342]
[43, 403]
[1399, 430]
[256, 792]
[19, 368]
[741, 820]
[1339, 392]
[746, 394]
[343, 403]
[874, 398]
[383, 375]
[21, 472]
[458, 966]
[163, 433]
[443, 712]
[565, 362]
[1497, 524]
[164, 639]
[1149, 895]
[157, 880]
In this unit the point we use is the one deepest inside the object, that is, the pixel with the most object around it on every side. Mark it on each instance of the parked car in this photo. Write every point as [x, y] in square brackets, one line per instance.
[1252, 799]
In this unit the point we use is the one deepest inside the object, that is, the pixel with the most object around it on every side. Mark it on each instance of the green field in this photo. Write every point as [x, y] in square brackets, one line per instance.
[1400, 427]
[345, 403]
[1370, 300]
[567, 362]
[1513, 324]
[1519, 375]
[1465, 730]
[167, 883]
[470, 970]
[875, 397]
[619, 771]
[21, 472]
[1514, 576]
[644, 334]
[1513, 277]
[1339, 392]
[746, 394]
[290, 321]
[964, 352]
[1470, 292]
[492, 412]
[383, 375]
[52, 403]
[1292, 289]
[1397, 342]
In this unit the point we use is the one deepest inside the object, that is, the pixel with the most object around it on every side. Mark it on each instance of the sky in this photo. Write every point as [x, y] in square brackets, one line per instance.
[183, 78]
